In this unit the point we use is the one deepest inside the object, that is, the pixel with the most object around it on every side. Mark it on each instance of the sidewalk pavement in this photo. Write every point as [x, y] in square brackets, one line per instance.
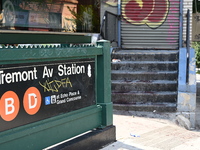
[154, 130]
[151, 131]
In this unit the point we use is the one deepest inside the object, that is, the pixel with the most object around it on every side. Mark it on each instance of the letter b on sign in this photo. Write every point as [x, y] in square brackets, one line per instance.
[9, 105]
[32, 100]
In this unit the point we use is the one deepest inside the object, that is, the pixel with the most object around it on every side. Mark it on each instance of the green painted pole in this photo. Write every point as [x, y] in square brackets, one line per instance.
[104, 83]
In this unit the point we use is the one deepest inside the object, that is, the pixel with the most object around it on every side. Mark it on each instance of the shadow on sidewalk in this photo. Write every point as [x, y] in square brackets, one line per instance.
[120, 146]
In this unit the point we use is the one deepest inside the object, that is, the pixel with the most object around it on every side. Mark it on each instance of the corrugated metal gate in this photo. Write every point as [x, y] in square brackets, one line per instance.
[187, 4]
[150, 24]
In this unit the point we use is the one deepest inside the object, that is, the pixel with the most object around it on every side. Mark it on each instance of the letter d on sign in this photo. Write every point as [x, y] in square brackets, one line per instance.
[9, 106]
[32, 97]
[32, 100]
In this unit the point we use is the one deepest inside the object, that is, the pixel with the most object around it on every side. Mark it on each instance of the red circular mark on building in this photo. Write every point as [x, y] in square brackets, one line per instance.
[138, 12]
[159, 12]
[150, 12]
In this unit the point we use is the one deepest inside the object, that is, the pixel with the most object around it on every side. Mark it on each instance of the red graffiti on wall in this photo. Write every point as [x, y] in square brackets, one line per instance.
[150, 12]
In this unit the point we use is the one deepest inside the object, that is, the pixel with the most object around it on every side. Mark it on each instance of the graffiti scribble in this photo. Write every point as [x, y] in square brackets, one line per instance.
[111, 2]
[153, 13]
[55, 85]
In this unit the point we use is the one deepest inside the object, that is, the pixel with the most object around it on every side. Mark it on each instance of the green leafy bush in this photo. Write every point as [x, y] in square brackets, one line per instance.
[196, 46]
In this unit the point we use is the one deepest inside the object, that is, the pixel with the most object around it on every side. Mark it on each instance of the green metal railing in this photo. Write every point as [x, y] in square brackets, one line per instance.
[62, 126]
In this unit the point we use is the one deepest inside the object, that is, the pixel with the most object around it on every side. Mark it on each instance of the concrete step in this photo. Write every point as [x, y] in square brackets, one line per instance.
[146, 55]
[145, 66]
[142, 75]
[136, 85]
[150, 107]
[141, 97]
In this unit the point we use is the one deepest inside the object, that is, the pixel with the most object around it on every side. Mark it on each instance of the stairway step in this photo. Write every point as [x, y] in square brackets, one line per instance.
[124, 51]
[134, 97]
[145, 76]
[135, 55]
[150, 107]
[145, 66]
[144, 80]
[155, 85]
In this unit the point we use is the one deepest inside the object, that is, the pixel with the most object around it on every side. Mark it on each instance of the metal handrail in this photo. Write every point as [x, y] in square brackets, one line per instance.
[103, 34]
[188, 44]
[188, 31]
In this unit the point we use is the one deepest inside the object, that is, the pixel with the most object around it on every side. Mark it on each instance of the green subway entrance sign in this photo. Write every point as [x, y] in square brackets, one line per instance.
[36, 91]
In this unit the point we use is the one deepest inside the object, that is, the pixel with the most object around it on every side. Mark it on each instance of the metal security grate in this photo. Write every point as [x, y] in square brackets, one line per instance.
[151, 24]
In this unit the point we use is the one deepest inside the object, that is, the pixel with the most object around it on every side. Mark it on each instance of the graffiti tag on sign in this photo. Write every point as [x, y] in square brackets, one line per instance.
[153, 13]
